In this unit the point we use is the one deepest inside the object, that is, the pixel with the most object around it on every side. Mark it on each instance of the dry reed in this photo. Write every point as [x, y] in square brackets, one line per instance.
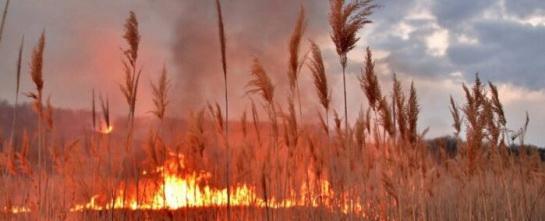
[226, 131]
[345, 21]
[132, 75]
[382, 185]
[413, 109]
[399, 108]
[261, 83]
[317, 68]
[36, 73]
[369, 82]
[294, 47]
[160, 93]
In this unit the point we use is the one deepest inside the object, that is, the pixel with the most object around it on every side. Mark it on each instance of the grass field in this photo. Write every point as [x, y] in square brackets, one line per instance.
[268, 162]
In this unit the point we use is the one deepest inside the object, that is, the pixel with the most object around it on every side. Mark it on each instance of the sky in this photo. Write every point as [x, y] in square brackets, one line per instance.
[437, 44]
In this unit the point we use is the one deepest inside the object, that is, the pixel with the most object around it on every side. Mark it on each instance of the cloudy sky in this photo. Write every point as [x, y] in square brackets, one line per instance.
[438, 44]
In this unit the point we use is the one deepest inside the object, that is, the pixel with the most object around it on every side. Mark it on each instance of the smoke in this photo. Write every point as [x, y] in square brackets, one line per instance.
[258, 29]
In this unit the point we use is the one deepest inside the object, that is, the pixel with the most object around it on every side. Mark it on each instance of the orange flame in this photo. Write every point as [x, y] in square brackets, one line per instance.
[174, 191]
[105, 129]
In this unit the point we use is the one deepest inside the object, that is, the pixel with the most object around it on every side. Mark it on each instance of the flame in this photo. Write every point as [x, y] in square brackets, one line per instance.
[174, 191]
[105, 129]
[16, 209]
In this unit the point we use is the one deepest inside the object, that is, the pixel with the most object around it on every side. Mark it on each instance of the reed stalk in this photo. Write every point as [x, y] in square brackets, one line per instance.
[345, 21]
[226, 96]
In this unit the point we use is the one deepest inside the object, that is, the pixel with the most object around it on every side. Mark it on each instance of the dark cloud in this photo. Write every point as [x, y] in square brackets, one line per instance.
[507, 52]
[524, 8]
[451, 14]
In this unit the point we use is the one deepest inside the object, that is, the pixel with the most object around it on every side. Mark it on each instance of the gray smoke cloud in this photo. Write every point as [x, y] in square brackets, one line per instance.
[254, 29]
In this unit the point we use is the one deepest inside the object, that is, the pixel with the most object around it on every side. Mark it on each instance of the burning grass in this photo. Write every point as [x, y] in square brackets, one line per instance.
[283, 168]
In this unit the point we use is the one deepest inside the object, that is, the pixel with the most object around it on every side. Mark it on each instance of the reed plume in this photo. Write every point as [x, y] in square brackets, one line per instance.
[399, 108]
[386, 116]
[454, 111]
[473, 111]
[317, 68]
[37, 66]
[369, 82]
[261, 83]
[413, 109]
[497, 105]
[160, 94]
[296, 63]
[294, 46]
[132, 76]
[492, 126]
[132, 37]
[345, 21]
[3, 22]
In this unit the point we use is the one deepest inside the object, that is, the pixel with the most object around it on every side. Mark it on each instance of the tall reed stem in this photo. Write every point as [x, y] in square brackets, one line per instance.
[226, 131]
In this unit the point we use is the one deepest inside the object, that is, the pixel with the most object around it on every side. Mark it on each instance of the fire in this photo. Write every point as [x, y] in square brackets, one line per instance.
[173, 190]
[105, 129]
[16, 209]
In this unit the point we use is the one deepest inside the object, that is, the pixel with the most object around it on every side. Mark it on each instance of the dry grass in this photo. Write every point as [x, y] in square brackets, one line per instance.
[399, 108]
[294, 48]
[413, 109]
[261, 83]
[369, 82]
[455, 112]
[160, 94]
[364, 172]
[345, 21]
[132, 75]
[317, 68]
[223, 48]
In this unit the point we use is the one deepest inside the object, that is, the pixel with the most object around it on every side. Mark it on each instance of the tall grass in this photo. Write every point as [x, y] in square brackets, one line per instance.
[379, 168]
[130, 87]
[295, 62]
[320, 81]
[345, 21]
[226, 135]
[36, 73]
